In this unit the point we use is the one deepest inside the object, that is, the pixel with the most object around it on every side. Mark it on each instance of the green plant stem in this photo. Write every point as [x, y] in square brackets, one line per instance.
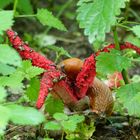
[124, 26]
[57, 57]
[15, 6]
[125, 76]
[117, 46]
[62, 135]
[21, 16]
[135, 60]
[116, 40]
[130, 22]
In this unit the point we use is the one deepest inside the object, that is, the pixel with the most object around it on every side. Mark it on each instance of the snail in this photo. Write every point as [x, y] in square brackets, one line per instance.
[100, 96]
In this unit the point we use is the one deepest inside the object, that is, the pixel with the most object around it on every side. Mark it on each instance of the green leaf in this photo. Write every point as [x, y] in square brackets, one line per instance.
[48, 139]
[4, 116]
[129, 95]
[111, 62]
[136, 78]
[77, 118]
[13, 80]
[61, 51]
[33, 89]
[44, 40]
[25, 115]
[6, 19]
[51, 125]
[98, 16]
[60, 116]
[127, 92]
[133, 106]
[136, 30]
[9, 56]
[33, 71]
[69, 125]
[28, 70]
[132, 39]
[6, 69]
[53, 105]
[80, 2]
[25, 6]
[4, 3]
[46, 18]
[2, 94]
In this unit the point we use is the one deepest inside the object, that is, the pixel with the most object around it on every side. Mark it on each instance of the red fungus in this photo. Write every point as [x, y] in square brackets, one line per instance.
[46, 85]
[27, 53]
[128, 45]
[85, 77]
[51, 82]
[124, 46]
[49, 78]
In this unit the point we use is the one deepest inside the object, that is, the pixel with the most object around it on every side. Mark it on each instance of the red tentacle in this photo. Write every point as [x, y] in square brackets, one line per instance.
[124, 46]
[51, 81]
[49, 78]
[46, 85]
[85, 77]
[27, 53]
[128, 45]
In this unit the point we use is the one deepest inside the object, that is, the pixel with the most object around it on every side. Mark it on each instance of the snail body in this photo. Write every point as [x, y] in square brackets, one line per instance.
[71, 67]
[100, 96]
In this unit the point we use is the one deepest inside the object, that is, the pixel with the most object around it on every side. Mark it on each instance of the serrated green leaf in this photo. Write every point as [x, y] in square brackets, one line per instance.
[60, 116]
[77, 118]
[2, 94]
[9, 56]
[83, 1]
[61, 51]
[6, 69]
[127, 92]
[33, 89]
[53, 105]
[28, 70]
[14, 80]
[4, 3]
[51, 125]
[133, 106]
[46, 18]
[6, 20]
[136, 30]
[33, 71]
[132, 39]
[112, 62]
[129, 95]
[25, 6]
[98, 16]
[4, 116]
[26, 64]
[135, 78]
[25, 115]
[69, 125]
